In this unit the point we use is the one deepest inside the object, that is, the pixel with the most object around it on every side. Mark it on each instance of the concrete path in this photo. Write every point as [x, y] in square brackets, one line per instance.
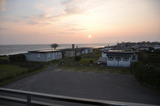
[106, 86]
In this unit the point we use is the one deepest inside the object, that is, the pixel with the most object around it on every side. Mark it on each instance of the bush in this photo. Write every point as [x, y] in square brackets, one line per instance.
[147, 74]
[154, 59]
[91, 61]
[17, 58]
[77, 58]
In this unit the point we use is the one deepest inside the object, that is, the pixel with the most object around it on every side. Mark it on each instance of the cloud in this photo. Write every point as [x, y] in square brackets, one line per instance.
[75, 6]
[3, 5]
[64, 9]
[65, 33]
[76, 29]
[41, 19]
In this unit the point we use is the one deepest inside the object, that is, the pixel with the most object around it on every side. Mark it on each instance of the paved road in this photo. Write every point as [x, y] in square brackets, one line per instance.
[106, 86]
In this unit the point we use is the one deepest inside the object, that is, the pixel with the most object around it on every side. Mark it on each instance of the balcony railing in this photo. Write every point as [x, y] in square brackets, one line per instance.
[4, 92]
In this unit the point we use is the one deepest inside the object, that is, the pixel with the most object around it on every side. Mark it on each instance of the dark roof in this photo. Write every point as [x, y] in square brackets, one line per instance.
[58, 50]
[70, 49]
[43, 51]
[123, 55]
[120, 52]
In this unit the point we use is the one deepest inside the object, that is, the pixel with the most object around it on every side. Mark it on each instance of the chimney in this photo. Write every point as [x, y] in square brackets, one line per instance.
[73, 46]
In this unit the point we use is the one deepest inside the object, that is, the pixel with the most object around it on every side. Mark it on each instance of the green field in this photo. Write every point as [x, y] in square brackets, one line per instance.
[4, 58]
[89, 63]
[10, 71]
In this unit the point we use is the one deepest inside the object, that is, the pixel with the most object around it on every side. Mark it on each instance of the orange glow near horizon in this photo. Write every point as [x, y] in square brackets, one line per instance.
[69, 22]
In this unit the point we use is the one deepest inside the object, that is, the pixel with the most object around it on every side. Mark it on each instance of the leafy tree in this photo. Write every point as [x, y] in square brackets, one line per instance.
[54, 45]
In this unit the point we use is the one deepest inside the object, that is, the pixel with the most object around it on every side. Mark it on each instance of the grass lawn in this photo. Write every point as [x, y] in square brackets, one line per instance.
[9, 73]
[4, 58]
[89, 63]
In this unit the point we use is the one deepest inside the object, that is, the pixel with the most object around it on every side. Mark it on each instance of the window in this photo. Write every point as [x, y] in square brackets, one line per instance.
[118, 58]
[110, 58]
[125, 58]
[38, 55]
[133, 57]
[49, 55]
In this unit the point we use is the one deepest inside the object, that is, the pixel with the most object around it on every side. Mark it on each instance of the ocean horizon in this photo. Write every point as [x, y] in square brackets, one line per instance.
[24, 48]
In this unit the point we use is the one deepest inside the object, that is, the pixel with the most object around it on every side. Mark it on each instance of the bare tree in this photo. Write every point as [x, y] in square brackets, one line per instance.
[54, 45]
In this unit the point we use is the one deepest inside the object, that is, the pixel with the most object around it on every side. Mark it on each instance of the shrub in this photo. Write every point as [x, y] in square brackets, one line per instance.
[17, 58]
[147, 74]
[77, 58]
[154, 59]
[91, 61]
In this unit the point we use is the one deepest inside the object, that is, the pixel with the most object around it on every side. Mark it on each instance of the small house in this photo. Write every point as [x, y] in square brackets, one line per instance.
[71, 52]
[119, 58]
[86, 50]
[144, 48]
[157, 47]
[68, 52]
[43, 55]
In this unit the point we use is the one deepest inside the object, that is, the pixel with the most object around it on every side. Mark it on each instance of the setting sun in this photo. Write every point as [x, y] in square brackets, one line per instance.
[89, 36]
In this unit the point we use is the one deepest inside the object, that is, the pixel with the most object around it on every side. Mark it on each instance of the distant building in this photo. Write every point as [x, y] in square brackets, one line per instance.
[43, 55]
[49, 55]
[76, 51]
[107, 48]
[69, 52]
[118, 58]
[157, 47]
[86, 50]
[144, 48]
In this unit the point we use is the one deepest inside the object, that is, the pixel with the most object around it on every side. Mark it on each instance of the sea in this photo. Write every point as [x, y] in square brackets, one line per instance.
[17, 49]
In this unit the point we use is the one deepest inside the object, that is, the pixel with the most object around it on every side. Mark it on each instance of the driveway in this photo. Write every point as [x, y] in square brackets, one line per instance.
[104, 85]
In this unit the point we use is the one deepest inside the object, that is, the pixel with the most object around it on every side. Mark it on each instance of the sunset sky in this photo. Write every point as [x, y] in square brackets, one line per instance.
[78, 21]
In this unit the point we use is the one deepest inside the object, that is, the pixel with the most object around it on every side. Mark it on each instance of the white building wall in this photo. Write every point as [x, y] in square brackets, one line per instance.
[144, 48]
[53, 56]
[104, 54]
[157, 47]
[35, 57]
[90, 50]
[43, 57]
[123, 63]
[86, 51]
[107, 48]
[120, 63]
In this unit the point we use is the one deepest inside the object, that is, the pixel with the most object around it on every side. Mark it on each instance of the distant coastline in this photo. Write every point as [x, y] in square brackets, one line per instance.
[24, 48]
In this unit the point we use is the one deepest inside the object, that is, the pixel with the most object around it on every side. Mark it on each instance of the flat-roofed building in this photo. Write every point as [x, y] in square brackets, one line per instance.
[119, 58]
[49, 55]
[43, 55]
[76, 51]
[157, 47]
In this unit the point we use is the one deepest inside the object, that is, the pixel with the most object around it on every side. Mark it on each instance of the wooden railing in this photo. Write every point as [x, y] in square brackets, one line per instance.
[29, 101]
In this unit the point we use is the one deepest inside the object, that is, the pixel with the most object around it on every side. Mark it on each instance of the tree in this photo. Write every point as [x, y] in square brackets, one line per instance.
[54, 45]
